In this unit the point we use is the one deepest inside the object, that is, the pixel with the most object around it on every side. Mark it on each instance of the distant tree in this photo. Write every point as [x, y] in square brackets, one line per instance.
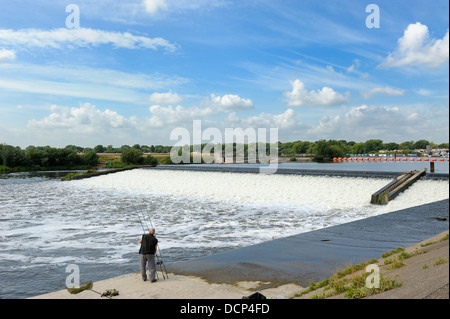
[90, 158]
[301, 147]
[123, 148]
[331, 148]
[131, 156]
[146, 149]
[99, 149]
[421, 144]
[34, 155]
[320, 147]
[71, 157]
[109, 149]
[74, 147]
[335, 151]
[373, 145]
[12, 156]
[150, 160]
[359, 148]
[159, 149]
[391, 146]
[407, 146]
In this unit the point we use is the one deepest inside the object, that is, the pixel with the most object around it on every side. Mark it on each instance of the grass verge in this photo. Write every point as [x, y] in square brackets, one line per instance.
[352, 282]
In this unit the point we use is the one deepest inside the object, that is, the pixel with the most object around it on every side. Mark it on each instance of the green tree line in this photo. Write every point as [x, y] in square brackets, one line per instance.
[45, 157]
[110, 149]
[339, 148]
[136, 157]
[72, 156]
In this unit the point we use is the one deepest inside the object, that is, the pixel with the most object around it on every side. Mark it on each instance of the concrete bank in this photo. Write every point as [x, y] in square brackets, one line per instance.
[417, 282]
[317, 255]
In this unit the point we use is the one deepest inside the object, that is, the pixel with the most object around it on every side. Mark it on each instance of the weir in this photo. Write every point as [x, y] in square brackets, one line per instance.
[200, 213]
[397, 186]
[250, 169]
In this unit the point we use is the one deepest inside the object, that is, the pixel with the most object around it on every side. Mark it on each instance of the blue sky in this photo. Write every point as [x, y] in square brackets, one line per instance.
[135, 70]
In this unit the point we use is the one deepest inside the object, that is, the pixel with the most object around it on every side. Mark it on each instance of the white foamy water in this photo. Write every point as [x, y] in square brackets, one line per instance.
[46, 224]
[194, 208]
[315, 192]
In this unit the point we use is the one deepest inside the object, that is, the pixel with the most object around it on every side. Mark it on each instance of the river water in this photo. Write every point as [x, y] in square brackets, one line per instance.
[47, 224]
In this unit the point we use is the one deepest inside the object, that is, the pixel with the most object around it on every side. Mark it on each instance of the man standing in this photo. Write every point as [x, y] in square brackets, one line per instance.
[147, 252]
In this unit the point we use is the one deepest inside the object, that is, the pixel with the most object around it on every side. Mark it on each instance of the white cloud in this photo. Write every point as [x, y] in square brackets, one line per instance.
[424, 92]
[170, 116]
[387, 123]
[354, 66]
[153, 6]
[157, 6]
[383, 90]
[232, 102]
[81, 37]
[326, 96]
[80, 120]
[87, 125]
[286, 120]
[416, 48]
[332, 71]
[91, 83]
[165, 98]
[80, 90]
[7, 55]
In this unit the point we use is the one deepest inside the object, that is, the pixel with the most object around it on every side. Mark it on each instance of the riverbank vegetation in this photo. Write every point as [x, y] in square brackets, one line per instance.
[69, 176]
[14, 158]
[135, 156]
[351, 282]
[341, 148]
[118, 150]
[37, 158]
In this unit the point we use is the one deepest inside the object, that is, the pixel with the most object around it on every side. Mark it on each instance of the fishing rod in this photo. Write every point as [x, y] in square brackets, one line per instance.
[158, 253]
[144, 231]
